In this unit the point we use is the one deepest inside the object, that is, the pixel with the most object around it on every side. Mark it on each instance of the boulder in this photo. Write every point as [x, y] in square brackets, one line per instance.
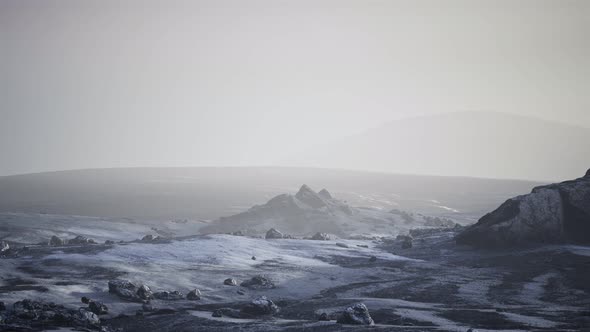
[98, 308]
[109, 242]
[372, 259]
[4, 246]
[80, 240]
[357, 314]
[342, 245]
[85, 300]
[261, 306]
[144, 292]
[194, 295]
[323, 317]
[273, 234]
[125, 289]
[321, 237]
[555, 213]
[147, 238]
[230, 282]
[55, 241]
[258, 282]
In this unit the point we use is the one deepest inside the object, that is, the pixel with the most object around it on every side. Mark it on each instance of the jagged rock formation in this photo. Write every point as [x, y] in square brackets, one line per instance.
[273, 234]
[549, 214]
[306, 212]
[357, 314]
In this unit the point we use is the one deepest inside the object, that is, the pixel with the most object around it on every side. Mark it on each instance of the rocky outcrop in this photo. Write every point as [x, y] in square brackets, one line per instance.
[273, 234]
[321, 237]
[130, 291]
[80, 240]
[554, 213]
[261, 306]
[306, 212]
[194, 295]
[47, 314]
[169, 296]
[55, 241]
[258, 282]
[230, 282]
[357, 314]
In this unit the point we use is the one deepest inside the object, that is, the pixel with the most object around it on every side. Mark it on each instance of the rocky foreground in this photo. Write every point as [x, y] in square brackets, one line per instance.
[556, 213]
[422, 281]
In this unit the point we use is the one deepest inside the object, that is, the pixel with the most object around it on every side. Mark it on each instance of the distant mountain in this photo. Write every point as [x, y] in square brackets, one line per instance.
[308, 212]
[210, 192]
[479, 144]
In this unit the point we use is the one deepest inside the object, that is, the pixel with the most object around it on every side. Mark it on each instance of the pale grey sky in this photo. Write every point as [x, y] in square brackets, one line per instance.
[226, 83]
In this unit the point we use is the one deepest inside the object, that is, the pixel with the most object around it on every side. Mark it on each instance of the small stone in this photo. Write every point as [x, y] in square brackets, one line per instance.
[194, 295]
[253, 258]
[230, 282]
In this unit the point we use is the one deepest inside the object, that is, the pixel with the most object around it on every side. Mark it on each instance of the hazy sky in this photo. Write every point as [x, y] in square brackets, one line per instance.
[189, 83]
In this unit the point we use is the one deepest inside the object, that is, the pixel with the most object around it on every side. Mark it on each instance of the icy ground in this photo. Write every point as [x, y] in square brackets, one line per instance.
[433, 286]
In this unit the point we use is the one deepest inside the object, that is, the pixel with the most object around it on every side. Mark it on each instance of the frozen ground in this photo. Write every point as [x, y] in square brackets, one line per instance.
[435, 285]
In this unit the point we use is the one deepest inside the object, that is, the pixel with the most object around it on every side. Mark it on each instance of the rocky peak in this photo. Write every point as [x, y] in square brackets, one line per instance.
[325, 194]
[310, 197]
[587, 173]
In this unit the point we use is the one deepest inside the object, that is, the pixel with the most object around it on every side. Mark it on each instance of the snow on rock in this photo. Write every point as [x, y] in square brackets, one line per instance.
[553, 213]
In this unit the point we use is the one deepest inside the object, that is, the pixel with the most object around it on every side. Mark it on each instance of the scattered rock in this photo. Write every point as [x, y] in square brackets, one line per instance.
[98, 308]
[194, 295]
[230, 282]
[28, 313]
[169, 296]
[323, 317]
[125, 289]
[260, 306]
[55, 241]
[342, 245]
[258, 282]
[357, 314]
[4, 246]
[144, 292]
[80, 240]
[273, 234]
[321, 237]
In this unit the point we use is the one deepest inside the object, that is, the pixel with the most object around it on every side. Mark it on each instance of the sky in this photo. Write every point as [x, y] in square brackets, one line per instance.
[90, 84]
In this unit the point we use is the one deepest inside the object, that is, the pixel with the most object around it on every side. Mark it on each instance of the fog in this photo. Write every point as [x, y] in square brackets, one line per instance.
[91, 84]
